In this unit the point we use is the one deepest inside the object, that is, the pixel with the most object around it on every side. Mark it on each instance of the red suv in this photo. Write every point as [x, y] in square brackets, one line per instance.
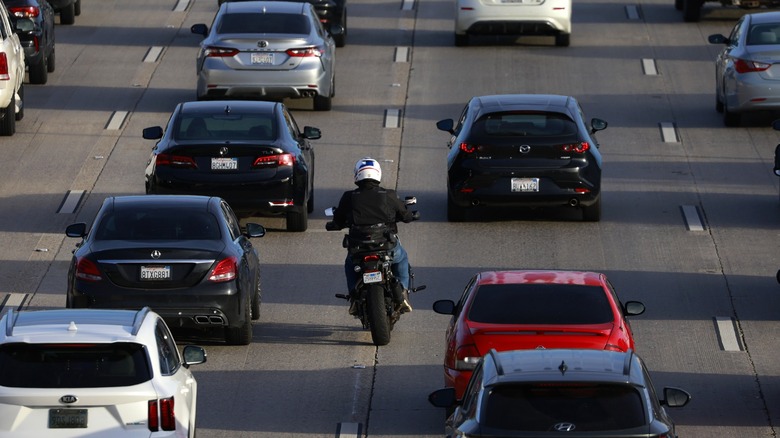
[521, 310]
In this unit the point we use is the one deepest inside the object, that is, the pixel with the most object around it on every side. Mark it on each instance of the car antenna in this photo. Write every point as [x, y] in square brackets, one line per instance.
[563, 367]
[227, 109]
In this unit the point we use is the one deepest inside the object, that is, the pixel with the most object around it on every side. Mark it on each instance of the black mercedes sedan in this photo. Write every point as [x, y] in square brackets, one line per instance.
[523, 150]
[184, 256]
[250, 153]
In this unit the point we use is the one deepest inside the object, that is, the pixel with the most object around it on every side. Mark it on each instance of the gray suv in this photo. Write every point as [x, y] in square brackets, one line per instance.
[550, 393]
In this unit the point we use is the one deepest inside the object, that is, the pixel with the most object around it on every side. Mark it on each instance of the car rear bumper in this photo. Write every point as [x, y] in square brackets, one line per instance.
[217, 81]
[498, 192]
[752, 93]
[474, 17]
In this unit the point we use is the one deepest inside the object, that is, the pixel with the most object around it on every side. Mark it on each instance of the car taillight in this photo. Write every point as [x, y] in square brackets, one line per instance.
[274, 160]
[174, 161]
[467, 148]
[25, 11]
[466, 357]
[224, 271]
[304, 52]
[577, 148]
[4, 76]
[87, 270]
[219, 52]
[160, 415]
[747, 66]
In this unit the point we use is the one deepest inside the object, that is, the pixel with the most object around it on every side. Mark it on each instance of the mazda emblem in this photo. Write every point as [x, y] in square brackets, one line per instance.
[69, 399]
[156, 254]
[223, 151]
[524, 149]
[262, 44]
[564, 427]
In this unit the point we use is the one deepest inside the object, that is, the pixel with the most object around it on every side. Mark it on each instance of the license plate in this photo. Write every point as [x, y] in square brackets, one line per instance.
[67, 418]
[224, 163]
[372, 277]
[155, 272]
[525, 184]
[262, 58]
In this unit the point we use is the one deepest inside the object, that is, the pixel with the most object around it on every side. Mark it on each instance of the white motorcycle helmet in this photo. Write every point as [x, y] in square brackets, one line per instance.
[367, 168]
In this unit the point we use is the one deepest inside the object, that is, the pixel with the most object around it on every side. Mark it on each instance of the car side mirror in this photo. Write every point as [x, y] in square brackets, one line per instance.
[597, 125]
[76, 230]
[312, 133]
[254, 230]
[633, 308]
[153, 133]
[193, 355]
[675, 397]
[447, 125]
[336, 30]
[443, 398]
[717, 39]
[200, 29]
[444, 307]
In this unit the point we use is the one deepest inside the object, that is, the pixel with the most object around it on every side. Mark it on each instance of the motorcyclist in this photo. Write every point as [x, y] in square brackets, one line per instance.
[370, 204]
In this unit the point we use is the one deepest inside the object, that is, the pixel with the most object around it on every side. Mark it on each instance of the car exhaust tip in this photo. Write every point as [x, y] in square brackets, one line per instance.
[574, 202]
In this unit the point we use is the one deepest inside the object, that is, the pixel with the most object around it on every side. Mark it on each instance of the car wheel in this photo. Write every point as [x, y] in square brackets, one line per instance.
[68, 14]
[692, 10]
[51, 61]
[323, 103]
[241, 335]
[341, 40]
[731, 119]
[718, 104]
[20, 115]
[39, 73]
[297, 221]
[562, 39]
[310, 202]
[678, 4]
[455, 213]
[77, 7]
[8, 123]
[461, 40]
[592, 213]
[256, 300]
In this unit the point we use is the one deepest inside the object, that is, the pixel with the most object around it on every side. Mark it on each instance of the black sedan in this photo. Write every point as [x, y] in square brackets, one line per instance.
[38, 39]
[184, 256]
[250, 153]
[523, 150]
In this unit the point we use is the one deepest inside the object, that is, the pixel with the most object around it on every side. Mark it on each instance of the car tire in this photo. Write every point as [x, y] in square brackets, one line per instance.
[241, 335]
[68, 14]
[77, 7]
[39, 73]
[718, 104]
[256, 299]
[51, 62]
[297, 221]
[731, 119]
[341, 40]
[563, 39]
[678, 4]
[20, 115]
[310, 202]
[455, 213]
[377, 315]
[592, 213]
[8, 123]
[461, 40]
[323, 103]
[691, 10]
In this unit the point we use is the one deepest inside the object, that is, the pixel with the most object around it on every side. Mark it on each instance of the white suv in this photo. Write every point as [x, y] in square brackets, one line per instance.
[94, 372]
[12, 69]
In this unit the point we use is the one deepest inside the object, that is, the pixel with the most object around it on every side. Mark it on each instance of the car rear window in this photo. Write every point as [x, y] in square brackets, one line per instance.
[764, 34]
[264, 23]
[225, 127]
[540, 304]
[523, 124]
[73, 365]
[577, 407]
[158, 224]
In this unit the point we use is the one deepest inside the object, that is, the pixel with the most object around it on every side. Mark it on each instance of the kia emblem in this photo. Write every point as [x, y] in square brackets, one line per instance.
[156, 254]
[69, 399]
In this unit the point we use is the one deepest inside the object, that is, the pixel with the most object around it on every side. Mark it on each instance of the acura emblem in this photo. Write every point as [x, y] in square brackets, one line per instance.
[156, 254]
[69, 399]
[564, 427]
[223, 151]
[262, 44]
[524, 149]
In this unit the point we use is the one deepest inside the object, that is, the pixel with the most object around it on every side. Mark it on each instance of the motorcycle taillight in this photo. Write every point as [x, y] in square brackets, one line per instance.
[371, 258]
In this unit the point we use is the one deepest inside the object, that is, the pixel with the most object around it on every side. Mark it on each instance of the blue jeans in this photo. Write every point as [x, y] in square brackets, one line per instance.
[400, 268]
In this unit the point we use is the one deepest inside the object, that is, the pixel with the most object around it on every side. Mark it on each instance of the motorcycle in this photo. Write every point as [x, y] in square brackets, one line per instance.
[377, 289]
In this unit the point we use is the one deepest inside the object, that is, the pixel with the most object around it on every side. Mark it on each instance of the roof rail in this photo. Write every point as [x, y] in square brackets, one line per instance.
[139, 319]
[499, 368]
[10, 321]
[627, 362]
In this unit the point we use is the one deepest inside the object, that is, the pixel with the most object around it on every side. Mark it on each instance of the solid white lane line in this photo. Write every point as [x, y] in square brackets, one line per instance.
[727, 333]
[668, 132]
[153, 54]
[632, 12]
[648, 65]
[181, 5]
[401, 54]
[348, 430]
[71, 201]
[392, 118]
[116, 120]
[692, 218]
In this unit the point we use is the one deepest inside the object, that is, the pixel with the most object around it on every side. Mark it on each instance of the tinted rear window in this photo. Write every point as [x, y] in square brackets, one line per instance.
[158, 224]
[587, 407]
[540, 304]
[73, 365]
[225, 127]
[763, 34]
[264, 23]
[525, 124]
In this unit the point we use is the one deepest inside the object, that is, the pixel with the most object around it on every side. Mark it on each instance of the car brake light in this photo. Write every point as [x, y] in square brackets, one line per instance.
[304, 52]
[4, 76]
[466, 357]
[467, 148]
[160, 415]
[25, 12]
[175, 161]
[747, 66]
[577, 148]
[224, 271]
[87, 270]
[219, 52]
[274, 160]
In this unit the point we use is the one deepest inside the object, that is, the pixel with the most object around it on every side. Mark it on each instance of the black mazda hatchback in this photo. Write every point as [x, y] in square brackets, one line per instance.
[523, 150]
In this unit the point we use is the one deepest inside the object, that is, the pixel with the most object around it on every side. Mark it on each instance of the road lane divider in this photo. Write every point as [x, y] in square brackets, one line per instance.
[726, 328]
[401, 54]
[116, 120]
[181, 5]
[407, 5]
[153, 54]
[632, 12]
[668, 132]
[692, 218]
[648, 65]
[71, 201]
[349, 430]
[392, 118]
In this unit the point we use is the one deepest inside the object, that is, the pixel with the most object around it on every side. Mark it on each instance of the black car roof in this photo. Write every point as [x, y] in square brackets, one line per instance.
[220, 106]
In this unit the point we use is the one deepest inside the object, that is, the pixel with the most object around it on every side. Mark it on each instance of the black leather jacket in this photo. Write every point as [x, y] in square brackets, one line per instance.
[371, 204]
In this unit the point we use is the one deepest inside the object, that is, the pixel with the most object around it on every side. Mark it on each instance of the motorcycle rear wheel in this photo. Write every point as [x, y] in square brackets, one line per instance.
[377, 315]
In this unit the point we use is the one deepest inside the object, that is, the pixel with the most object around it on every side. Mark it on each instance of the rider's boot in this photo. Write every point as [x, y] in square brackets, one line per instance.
[404, 306]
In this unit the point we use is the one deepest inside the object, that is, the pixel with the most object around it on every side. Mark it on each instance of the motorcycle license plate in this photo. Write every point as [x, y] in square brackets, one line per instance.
[372, 277]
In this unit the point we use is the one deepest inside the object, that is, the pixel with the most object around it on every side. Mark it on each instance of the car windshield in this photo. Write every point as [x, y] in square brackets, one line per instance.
[568, 407]
[540, 304]
[157, 224]
[247, 127]
[525, 124]
[763, 34]
[264, 23]
[73, 365]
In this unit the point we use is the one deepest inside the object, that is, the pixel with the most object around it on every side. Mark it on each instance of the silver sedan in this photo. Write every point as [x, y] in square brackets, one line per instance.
[747, 70]
[266, 50]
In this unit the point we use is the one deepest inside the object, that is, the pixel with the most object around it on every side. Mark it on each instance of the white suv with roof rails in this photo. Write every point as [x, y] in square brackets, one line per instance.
[12, 70]
[94, 372]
